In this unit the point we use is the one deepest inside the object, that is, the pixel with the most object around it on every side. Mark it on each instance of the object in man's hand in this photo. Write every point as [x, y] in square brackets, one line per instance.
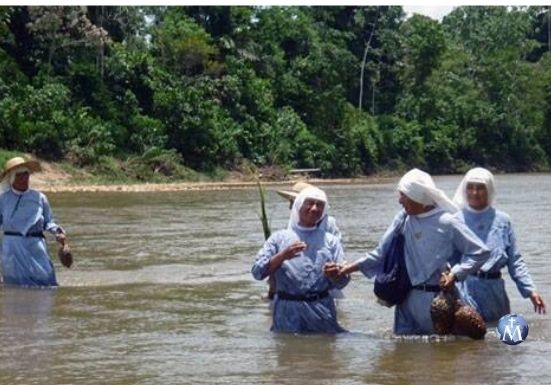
[65, 255]
[442, 312]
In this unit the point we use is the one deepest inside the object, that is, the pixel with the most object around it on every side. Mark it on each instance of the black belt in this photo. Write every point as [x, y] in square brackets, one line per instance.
[481, 274]
[36, 235]
[309, 297]
[425, 287]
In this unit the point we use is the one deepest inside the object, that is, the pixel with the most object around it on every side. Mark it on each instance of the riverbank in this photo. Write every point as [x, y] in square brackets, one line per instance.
[54, 179]
[48, 186]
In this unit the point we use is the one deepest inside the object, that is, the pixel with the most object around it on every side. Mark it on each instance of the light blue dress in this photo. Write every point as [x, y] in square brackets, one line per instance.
[488, 296]
[303, 275]
[25, 259]
[432, 240]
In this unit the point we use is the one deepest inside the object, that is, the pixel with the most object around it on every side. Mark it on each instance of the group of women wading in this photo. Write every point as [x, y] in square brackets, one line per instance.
[460, 244]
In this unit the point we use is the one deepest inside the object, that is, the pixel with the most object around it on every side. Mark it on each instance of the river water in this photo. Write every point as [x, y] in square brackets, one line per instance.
[161, 293]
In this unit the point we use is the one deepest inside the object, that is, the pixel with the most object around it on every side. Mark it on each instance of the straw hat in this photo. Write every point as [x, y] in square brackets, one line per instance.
[295, 190]
[19, 161]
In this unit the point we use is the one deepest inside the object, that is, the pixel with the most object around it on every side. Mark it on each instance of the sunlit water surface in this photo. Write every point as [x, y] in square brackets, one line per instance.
[161, 293]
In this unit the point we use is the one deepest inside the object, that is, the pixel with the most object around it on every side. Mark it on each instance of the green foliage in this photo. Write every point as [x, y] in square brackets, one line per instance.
[157, 165]
[368, 141]
[286, 131]
[196, 124]
[10, 136]
[94, 143]
[424, 44]
[403, 142]
[485, 30]
[131, 72]
[153, 93]
[5, 155]
[249, 102]
[183, 46]
[40, 120]
[544, 133]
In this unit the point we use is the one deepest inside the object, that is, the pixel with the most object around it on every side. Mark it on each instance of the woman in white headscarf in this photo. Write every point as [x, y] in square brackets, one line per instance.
[305, 260]
[485, 290]
[329, 223]
[25, 215]
[434, 237]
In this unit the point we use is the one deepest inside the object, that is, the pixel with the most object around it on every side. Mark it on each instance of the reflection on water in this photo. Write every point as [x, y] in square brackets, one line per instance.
[28, 335]
[302, 356]
[161, 292]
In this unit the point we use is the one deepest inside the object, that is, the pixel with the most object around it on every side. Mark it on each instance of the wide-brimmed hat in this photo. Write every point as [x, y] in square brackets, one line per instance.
[19, 161]
[295, 190]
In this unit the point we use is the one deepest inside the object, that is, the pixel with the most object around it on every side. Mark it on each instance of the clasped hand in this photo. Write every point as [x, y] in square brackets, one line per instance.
[294, 250]
[335, 271]
[331, 270]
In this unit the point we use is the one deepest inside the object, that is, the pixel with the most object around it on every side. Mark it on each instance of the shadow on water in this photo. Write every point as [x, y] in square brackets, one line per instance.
[307, 358]
[417, 361]
[27, 331]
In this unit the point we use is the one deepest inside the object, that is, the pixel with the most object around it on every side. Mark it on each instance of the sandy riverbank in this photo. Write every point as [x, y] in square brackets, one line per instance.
[53, 179]
[57, 186]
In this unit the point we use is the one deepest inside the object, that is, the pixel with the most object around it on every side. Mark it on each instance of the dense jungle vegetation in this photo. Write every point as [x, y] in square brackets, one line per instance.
[156, 93]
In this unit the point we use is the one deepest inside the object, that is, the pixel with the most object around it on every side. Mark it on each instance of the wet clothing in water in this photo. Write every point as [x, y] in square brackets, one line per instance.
[432, 239]
[24, 216]
[486, 291]
[303, 276]
[303, 303]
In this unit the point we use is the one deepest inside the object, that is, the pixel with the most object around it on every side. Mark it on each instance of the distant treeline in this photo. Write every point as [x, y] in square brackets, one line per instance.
[351, 90]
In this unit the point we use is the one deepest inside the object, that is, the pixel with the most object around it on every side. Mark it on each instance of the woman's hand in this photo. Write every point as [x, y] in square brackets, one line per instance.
[537, 300]
[331, 270]
[60, 238]
[447, 280]
[289, 252]
[293, 250]
[348, 268]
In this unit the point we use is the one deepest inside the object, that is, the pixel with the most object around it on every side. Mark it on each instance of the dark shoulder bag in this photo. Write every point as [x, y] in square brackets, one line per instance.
[392, 283]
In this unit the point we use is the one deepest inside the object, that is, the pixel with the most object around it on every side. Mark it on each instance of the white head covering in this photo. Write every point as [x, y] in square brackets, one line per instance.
[417, 185]
[308, 193]
[475, 175]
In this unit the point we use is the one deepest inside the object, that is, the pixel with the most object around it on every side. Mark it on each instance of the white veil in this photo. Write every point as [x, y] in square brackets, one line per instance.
[475, 175]
[419, 186]
[308, 193]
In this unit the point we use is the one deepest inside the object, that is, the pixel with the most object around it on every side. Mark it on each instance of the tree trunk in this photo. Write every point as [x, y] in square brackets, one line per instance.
[362, 74]
[51, 51]
[372, 98]
[367, 46]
